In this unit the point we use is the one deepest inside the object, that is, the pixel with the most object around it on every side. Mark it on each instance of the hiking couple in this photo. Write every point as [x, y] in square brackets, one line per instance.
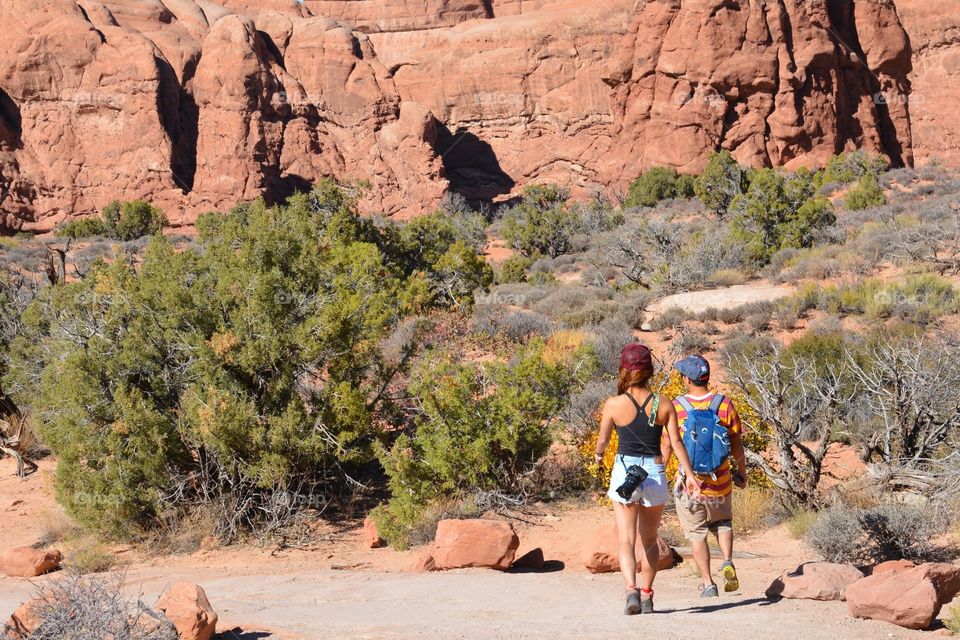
[703, 430]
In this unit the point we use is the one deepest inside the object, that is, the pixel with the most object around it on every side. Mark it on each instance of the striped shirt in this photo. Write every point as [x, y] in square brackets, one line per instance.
[723, 485]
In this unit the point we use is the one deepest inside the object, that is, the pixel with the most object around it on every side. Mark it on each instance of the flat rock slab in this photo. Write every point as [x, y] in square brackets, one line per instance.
[728, 297]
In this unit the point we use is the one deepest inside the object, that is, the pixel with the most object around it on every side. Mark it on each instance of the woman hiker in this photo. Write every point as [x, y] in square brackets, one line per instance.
[638, 485]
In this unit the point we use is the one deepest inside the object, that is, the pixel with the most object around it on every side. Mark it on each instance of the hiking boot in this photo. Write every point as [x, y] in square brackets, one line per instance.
[730, 581]
[633, 606]
[646, 602]
[709, 591]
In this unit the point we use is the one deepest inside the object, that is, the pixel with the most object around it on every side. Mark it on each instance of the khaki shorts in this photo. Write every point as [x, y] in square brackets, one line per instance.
[698, 517]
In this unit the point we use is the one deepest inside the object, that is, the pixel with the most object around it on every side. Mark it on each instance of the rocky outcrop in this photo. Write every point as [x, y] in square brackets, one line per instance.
[934, 29]
[910, 598]
[197, 104]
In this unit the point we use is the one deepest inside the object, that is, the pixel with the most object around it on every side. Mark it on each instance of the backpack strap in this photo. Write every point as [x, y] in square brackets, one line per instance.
[683, 402]
[718, 399]
[654, 410]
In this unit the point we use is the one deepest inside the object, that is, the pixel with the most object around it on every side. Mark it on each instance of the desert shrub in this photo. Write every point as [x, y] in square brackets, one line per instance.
[866, 194]
[86, 608]
[669, 318]
[517, 294]
[542, 223]
[82, 228]
[721, 181]
[517, 326]
[753, 509]
[919, 298]
[691, 341]
[154, 403]
[851, 166]
[951, 619]
[598, 217]
[686, 186]
[88, 555]
[514, 269]
[800, 522]
[580, 414]
[122, 221]
[777, 212]
[480, 428]
[632, 308]
[727, 278]
[607, 340]
[654, 185]
[568, 300]
[469, 226]
[868, 536]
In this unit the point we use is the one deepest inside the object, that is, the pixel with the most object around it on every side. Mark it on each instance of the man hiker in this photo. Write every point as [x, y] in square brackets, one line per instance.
[711, 433]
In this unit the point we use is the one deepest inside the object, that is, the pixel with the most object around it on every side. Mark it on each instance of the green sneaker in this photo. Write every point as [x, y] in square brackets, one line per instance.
[730, 581]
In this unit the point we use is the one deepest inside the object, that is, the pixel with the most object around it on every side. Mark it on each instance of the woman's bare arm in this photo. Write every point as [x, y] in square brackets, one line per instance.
[606, 430]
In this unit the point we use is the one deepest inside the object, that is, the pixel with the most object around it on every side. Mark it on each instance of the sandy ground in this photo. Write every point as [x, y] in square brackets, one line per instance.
[727, 297]
[338, 589]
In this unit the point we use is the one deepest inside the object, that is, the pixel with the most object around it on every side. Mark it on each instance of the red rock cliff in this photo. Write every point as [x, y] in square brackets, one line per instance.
[196, 104]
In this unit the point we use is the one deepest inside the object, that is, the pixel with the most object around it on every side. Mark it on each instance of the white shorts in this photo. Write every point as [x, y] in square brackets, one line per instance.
[652, 492]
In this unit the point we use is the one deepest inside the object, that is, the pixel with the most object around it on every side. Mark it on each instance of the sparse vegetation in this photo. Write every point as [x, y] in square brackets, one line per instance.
[120, 221]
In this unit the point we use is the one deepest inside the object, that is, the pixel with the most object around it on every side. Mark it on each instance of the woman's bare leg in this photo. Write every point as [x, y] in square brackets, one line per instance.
[626, 515]
[649, 526]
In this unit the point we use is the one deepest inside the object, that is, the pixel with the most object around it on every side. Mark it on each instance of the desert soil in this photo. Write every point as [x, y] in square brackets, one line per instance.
[338, 589]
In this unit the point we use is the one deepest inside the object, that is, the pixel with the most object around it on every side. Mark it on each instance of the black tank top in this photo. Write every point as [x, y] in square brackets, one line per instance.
[639, 438]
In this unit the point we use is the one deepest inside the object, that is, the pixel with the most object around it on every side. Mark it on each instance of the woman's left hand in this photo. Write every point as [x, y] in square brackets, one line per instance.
[693, 487]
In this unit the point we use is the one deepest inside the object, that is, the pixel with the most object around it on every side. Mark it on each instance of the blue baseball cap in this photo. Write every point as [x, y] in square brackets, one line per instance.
[695, 368]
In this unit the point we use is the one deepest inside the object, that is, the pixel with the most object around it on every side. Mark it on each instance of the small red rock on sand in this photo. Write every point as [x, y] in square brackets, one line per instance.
[815, 581]
[475, 543]
[371, 537]
[187, 607]
[891, 565]
[27, 562]
[601, 551]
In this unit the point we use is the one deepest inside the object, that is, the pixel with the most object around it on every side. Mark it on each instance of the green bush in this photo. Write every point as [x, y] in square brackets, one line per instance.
[480, 428]
[120, 221]
[847, 167]
[866, 194]
[514, 269]
[721, 181]
[82, 228]
[541, 224]
[659, 183]
[242, 369]
[777, 213]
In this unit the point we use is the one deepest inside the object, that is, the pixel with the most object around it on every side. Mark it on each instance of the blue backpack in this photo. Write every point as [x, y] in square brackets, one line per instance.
[706, 440]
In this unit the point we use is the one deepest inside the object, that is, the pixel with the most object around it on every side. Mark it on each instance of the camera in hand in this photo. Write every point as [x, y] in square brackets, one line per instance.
[635, 475]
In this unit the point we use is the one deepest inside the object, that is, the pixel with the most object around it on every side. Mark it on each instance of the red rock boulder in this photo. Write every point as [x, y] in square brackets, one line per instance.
[27, 562]
[910, 598]
[815, 581]
[891, 565]
[532, 559]
[475, 543]
[24, 620]
[601, 551]
[187, 607]
[371, 537]
[423, 563]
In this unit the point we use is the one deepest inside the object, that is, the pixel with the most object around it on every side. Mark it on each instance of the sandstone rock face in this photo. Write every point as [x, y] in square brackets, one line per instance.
[601, 551]
[891, 565]
[475, 543]
[934, 28]
[24, 620]
[187, 607]
[27, 562]
[815, 581]
[197, 104]
[911, 598]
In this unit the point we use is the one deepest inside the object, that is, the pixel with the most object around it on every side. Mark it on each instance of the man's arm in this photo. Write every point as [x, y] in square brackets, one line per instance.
[735, 429]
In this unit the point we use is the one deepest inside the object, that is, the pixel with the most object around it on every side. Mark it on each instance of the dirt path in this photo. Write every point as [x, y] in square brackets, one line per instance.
[488, 604]
[727, 297]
